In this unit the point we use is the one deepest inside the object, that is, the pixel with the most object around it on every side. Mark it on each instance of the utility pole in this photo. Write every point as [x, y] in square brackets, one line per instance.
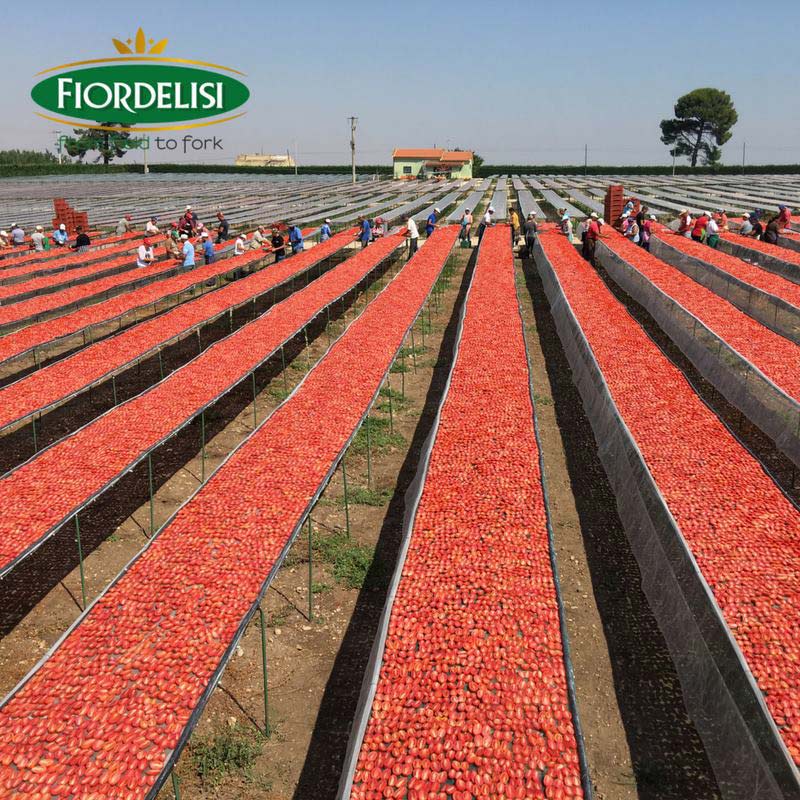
[295, 156]
[585, 160]
[744, 155]
[58, 142]
[353, 121]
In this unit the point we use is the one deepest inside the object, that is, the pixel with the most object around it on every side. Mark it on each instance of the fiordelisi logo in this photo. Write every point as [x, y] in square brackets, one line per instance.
[141, 88]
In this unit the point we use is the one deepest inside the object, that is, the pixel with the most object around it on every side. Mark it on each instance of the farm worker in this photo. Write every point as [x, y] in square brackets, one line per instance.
[514, 226]
[82, 241]
[430, 223]
[377, 229]
[4, 237]
[566, 226]
[365, 231]
[771, 234]
[325, 231]
[278, 245]
[646, 232]
[241, 245]
[124, 225]
[187, 252]
[628, 207]
[700, 226]
[145, 253]
[296, 239]
[784, 218]
[747, 227]
[173, 249]
[486, 222]
[722, 220]
[17, 234]
[151, 228]
[191, 214]
[37, 239]
[530, 229]
[209, 254]
[712, 233]
[466, 225]
[412, 231]
[633, 233]
[685, 223]
[222, 227]
[259, 239]
[60, 237]
[583, 229]
[592, 235]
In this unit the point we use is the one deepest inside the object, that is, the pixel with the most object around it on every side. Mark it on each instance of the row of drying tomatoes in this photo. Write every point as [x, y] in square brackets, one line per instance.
[472, 696]
[67, 376]
[123, 434]
[41, 333]
[103, 713]
[58, 256]
[26, 273]
[777, 357]
[740, 527]
[748, 273]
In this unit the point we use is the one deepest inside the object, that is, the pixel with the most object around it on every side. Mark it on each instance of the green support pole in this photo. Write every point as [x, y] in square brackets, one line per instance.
[403, 374]
[203, 446]
[150, 481]
[160, 364]
[255, 417]
[114, 387]
[422, 328]
[369, 455]
[413, 350]
[35, 359]
[267, 730]
[283, 369]
[33, 428]
[310, 572]
[176, 785]
[308, 353]
[80, 560]
[391, 413]
[346, 501]
[230, 319]
[199, 343]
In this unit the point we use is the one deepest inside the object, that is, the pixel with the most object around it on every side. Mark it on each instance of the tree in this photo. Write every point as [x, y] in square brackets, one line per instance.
[103, 141]
[702, 123]
[476, 159]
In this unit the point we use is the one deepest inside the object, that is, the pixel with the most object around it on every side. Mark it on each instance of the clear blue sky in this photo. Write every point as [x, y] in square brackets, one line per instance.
[519, 82]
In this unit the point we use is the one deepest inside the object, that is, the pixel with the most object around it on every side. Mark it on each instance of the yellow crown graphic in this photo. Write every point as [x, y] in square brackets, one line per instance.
[140, 43]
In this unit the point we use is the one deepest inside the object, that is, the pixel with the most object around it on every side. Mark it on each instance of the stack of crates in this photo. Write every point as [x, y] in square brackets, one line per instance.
[613, 204]
[65, 214]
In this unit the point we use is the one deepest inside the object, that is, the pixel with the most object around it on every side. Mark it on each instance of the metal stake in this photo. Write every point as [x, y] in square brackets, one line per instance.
[80, 560]
[114, 387]
[176, 786]
[160, 364]
[369, 455]
[150, 481]
[413, 350]
[203, 446]
[346, 502]
[33, 428]
[310, 575]
[391, 414]
[264, 670]
[255, 418]
[283, 369]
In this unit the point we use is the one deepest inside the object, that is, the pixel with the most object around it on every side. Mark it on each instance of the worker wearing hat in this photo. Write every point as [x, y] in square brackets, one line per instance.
[145, 253]
[187, 252]
[151, 228]
[209, 254]
[486, 222]
[17, 234]
[325, 231]
[60, 237]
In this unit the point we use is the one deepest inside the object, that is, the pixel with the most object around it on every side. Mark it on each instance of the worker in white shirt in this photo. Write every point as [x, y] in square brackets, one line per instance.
[124, 225]
[486, 222]
[413, 236]
[151, 229]
[241, 245]
[145, 253]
